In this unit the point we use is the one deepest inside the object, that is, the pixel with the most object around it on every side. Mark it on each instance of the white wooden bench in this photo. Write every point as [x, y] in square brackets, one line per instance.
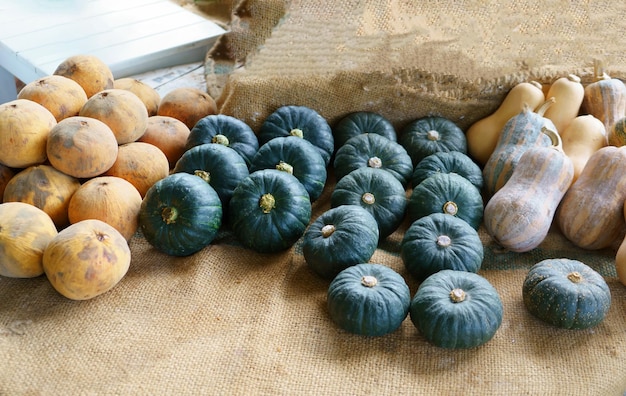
[130, 36]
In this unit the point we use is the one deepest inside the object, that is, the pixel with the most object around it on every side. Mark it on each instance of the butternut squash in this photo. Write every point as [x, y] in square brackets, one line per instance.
[518, 134]
[482, 136]
[519, 215]
[569, 93]
[605, 98]
[591, 212]
[583, 136]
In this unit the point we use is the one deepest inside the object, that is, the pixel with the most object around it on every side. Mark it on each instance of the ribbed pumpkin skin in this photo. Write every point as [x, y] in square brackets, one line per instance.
[518, 135]
[180, 214]
[374, 151]
[369, 311]
[299, 121]
[360, 122]
[605, 99]
[223, 168]
[389, 197]
[519, 215]
[552, 294]
[306, 162]
[225, 130]
[591, 212]
[448, 162]
[419, 140]
[340, 237]
[439, 241]
[456, 325]
[433, 195]
[276, 229]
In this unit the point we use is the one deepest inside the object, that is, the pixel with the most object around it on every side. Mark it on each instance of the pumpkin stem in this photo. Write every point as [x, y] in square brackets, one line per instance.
[541, 110]
[369, 281]
[328, 230]
[557, 143]
[573, 78]
[169, 215]
[297, 132]
[444, 241]
[374, 162]
[267, 203]
[450, 208]
[368, 198]
[432, 135]
[220, 139]
[457, 295]
[202, 174]
[575, 277]
[285, 167]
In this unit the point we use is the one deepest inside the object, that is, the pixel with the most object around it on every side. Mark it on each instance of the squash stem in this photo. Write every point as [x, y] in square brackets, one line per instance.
[368, 198]
[575, 277]
[541, 110]
[328, 230]
[369, 281]
[285, 167]
[202, 174]
[220, 139]
[444, 241]
[374, 162]
[169, 215]
[267, 203]
[457, 295]
[432, 135]
[297, 133]
[450, 208]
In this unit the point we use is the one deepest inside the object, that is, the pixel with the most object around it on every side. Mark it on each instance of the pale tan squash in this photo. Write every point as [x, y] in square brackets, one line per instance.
[583, 136]
[568, 93]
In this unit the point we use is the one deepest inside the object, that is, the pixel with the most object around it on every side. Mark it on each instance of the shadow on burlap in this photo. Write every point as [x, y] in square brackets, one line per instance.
[228, 321]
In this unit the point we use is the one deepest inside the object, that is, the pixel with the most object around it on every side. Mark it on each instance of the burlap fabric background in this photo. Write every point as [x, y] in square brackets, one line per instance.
[227, 321]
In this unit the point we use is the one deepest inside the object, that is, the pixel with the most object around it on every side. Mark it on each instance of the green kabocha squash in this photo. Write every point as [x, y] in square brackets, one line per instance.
[339, 238]
[302, 122]
[225, 130]
[180, 214]
[428, 135]
[218, 165]
[448, 162]
[439, 241]
[447, 193]
[566, 293]
[456, 309]
[269, 211]
[368, 299]
[360, 122]
[297, 157]
[378, 192]
[374, 151]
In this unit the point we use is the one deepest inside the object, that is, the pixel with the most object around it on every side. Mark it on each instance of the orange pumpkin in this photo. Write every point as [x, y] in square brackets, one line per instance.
[89, 71]
[110, 199]
[86, 259]
[187, 104]
[168, 134]
[148, 95]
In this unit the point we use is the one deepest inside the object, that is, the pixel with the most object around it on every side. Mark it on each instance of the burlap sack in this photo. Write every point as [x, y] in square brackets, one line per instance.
[228, 321]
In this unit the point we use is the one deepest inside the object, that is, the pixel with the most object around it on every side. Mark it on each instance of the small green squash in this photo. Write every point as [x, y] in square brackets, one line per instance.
[220, 166]
[269, 211]
[456, 309]
[448, 162]
[377, 191]
[302, 122]
[368, 299]
[339, 238]
[225, 130]
[566, 293]
[374, 151]
[295, 156]
[428, 135]
[180, 214]
[447, 193]
[360, 122]
[439, 241]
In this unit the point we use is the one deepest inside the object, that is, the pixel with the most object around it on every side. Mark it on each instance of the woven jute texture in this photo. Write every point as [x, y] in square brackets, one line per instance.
[228, 321]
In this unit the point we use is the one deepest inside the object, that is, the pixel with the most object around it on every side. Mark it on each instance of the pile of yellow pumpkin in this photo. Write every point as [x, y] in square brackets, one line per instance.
[556, 154]
[78, 151]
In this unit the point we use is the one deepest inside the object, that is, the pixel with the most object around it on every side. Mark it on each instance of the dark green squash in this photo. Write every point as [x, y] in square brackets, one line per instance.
[374, 151]
[302, 122]
[456, 309]
[360, 122]
[296, 156]
[218, 165]
[368, 299]
[269, 211]
[180, 214]
[378, 192]
[439, 241]
[428, 135]
[226, 130]
[339, 238]
[448, 162]
[447, 193]
[566, 293]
